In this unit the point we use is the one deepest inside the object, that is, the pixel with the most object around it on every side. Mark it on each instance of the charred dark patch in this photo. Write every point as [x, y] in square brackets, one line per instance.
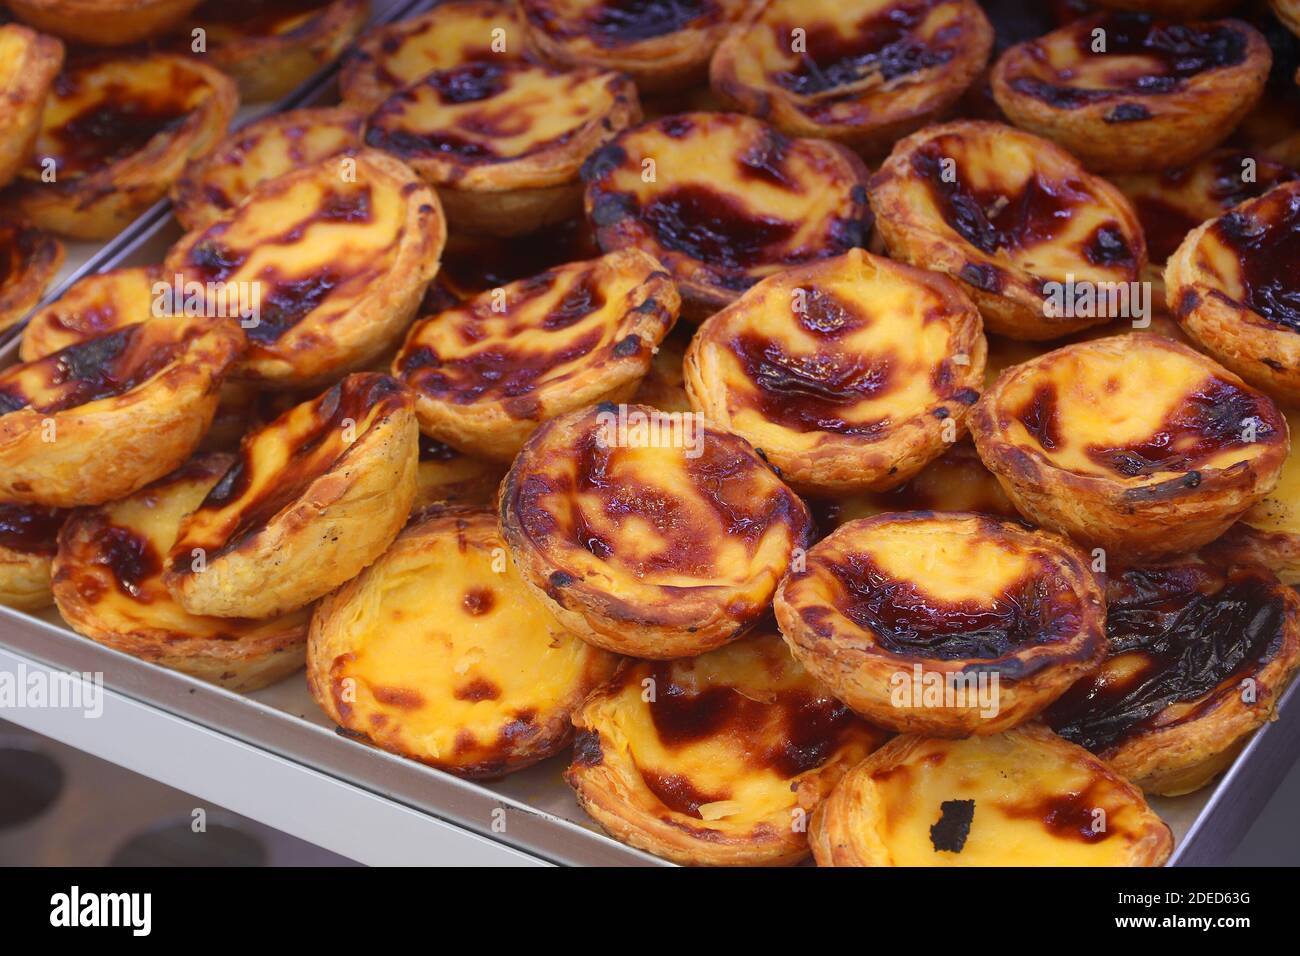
[949, 834]
[478, 601]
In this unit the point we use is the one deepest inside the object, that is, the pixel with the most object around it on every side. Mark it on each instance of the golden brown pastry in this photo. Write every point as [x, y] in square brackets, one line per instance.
[325, 266]
[98, 303]
[1288, 11]
[664, 386]
[851, 374]
[453, 33]
[266, 148]
[723, 201]
[1268, 535]
[115, 134]
[944, 624]
[29, 62]
[485, 374]
[28, 540]
[504, 140]
[1126, 93]
[649, 535]
[1023, 798]
[864, 73]
[100, 419]
[1198, 658]
[103, 22]
[1017, 219]
[29, 259]
[448, 477]
[108, 585]
[1135, 444]
[715, 760]
[1234, 286]
[955, 481]
[439, 652]
[271, 46]
[311, 499]
[663, 46]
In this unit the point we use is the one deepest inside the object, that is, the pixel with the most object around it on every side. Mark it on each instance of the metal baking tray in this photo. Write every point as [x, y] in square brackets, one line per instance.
[273, 755]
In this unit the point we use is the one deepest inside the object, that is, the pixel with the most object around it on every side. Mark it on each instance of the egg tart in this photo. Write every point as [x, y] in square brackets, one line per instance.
[1022, 798]
[1126, 93]
[648, 534]
[864, 74]
[1198, 659]
[333, 259]
[1288, 11]
[29, 62]
[664, 386]
[955, 481]
[448, 477]
[1172, 202]
[1135, 444]
[485, 374]
[271, 46]
[718, 759]
[851, 374]
[311, 499]
[115, 134]
[28, 540]
[1017, 219]
[100, 419]
[265, 149]
[439, 652]
[1234, 287]
[663, 46]
[453, 33]
[723, 201]
[944, 624]
[92, 306]
[103, 22]
[29, 259]
[108, 586]
[504, 140]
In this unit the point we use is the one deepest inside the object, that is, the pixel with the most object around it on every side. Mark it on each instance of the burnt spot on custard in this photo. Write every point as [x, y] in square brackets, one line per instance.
[30, 529]
[103, 367]
[1266, 242]
[1041, 607]
[1068, 816]
[1172, 53]
[129, 557]
[1190, 630]
[993, 220]
[315, 451]
[949, 833]
[611, 24]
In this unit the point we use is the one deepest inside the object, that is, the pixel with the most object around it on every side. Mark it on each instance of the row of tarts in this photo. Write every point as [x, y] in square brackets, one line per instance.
[663, 592]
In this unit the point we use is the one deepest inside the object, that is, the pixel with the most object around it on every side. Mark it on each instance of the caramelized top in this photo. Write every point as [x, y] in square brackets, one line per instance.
[116, 363]
[1142, 57]
[263, 150]
[542, 334]
[96, 304]
[1182, 638]
[1250, 255]
[612, 24]
[103, 111]
[610, 499]
[1278, 512]
[113, 560]
[852, 347]
[1172, 203]
[489, 112]
[452, 34]
[959, 587]
[723, 738]
[1135, 408]
[312, 244]
[278, 462]
[30, 529]
[730, 200]
[1013, 203]
[1021, 798]
[443, 653]
[855, 57]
